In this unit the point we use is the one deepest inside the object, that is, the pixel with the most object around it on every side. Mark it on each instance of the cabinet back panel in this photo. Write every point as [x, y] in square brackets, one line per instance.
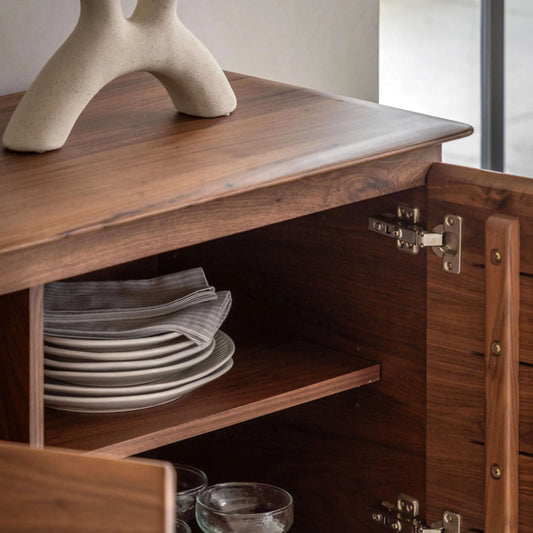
[326, 279]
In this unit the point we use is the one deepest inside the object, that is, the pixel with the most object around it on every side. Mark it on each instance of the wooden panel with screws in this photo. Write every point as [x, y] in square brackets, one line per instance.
[502, 305]
[456, 344]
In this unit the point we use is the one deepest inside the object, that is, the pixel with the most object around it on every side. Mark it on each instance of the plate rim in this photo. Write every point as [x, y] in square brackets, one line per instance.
[68, 376]
[224, 342]
[135, 364]
[132, 341]
[174, 394]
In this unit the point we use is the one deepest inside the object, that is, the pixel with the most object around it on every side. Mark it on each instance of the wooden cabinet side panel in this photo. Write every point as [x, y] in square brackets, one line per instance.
[21, 366]
[456, 345]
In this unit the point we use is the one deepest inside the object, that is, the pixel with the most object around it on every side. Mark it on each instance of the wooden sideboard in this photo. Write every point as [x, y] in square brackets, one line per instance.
[360, 370]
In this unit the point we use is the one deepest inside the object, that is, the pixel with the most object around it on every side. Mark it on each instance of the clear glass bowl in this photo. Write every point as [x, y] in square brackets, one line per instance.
[244, 508]
[191, 481]
[182, 527]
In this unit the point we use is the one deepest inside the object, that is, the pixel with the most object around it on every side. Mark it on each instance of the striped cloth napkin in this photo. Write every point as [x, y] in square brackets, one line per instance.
[183, 302]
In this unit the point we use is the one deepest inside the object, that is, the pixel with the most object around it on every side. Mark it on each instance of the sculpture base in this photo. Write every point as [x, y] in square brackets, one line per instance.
[105, 45]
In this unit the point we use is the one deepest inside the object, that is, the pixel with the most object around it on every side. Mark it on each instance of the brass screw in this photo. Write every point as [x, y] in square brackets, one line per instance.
[450, 221]
[496, 348]
[448, 266]
[496, 257]
[496, 471]
[448, 518]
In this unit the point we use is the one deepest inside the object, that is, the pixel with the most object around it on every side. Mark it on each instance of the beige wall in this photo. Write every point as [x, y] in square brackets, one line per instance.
[329, 45]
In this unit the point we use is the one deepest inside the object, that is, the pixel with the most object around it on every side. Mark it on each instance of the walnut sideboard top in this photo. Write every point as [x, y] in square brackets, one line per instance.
[135, 178]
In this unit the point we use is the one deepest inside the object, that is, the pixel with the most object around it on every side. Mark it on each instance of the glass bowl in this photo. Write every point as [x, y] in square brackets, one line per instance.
[190, 482]
[182, 527]
[244, 508]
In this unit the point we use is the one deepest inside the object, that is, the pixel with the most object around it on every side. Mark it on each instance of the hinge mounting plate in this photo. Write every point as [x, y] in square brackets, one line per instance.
[402, 516]
[444, 240]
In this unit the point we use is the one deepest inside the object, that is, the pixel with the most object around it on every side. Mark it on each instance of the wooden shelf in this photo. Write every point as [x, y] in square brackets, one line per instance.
[262, 381]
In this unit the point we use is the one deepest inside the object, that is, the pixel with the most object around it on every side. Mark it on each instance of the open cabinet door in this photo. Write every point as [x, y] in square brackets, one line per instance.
[480, 353]
[63, 491]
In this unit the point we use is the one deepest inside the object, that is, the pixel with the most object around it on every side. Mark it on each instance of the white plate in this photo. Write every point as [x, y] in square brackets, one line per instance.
[125, 377]
[111, 344]
[119, 404]
[170, 346]
[224, 350]
[107, 366]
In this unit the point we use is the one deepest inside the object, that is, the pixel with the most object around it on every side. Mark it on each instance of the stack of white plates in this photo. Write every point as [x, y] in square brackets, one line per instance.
[113, 375]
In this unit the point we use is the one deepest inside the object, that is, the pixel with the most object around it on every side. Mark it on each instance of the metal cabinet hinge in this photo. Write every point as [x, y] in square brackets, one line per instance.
[444, 240]
[403, 516]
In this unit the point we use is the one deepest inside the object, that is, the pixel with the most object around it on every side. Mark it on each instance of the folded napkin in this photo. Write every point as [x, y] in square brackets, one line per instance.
[197, 322]
[93, 301]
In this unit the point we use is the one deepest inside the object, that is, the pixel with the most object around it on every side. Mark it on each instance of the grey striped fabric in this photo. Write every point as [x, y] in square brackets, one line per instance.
[104, 300]
[182, 302]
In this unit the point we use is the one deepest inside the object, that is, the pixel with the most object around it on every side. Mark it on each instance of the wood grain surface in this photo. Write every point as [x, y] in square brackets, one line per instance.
[502, 306]
[121, 167]
[206, 221]
[478, 194]
[262, 380]
[62, 491]
[456, 344]
[21, 366]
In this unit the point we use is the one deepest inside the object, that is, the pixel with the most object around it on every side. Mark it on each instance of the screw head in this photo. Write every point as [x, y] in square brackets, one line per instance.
[448, 266]
[450, 221]
[448, 518]
[496, 257]
[496, 348]
[496, 471]
[378, 226]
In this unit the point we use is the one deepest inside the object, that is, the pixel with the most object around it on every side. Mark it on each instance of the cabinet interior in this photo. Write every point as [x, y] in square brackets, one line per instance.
[321, 306]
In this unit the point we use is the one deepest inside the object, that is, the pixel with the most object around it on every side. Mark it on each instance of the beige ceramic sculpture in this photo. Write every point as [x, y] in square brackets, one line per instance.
[105, 45]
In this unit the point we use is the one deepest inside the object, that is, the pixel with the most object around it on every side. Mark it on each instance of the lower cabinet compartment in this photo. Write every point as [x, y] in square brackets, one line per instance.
[317, 453]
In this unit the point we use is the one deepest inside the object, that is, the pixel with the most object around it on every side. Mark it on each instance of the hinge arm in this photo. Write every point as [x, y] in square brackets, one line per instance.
[403, 517]
[444, 240]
